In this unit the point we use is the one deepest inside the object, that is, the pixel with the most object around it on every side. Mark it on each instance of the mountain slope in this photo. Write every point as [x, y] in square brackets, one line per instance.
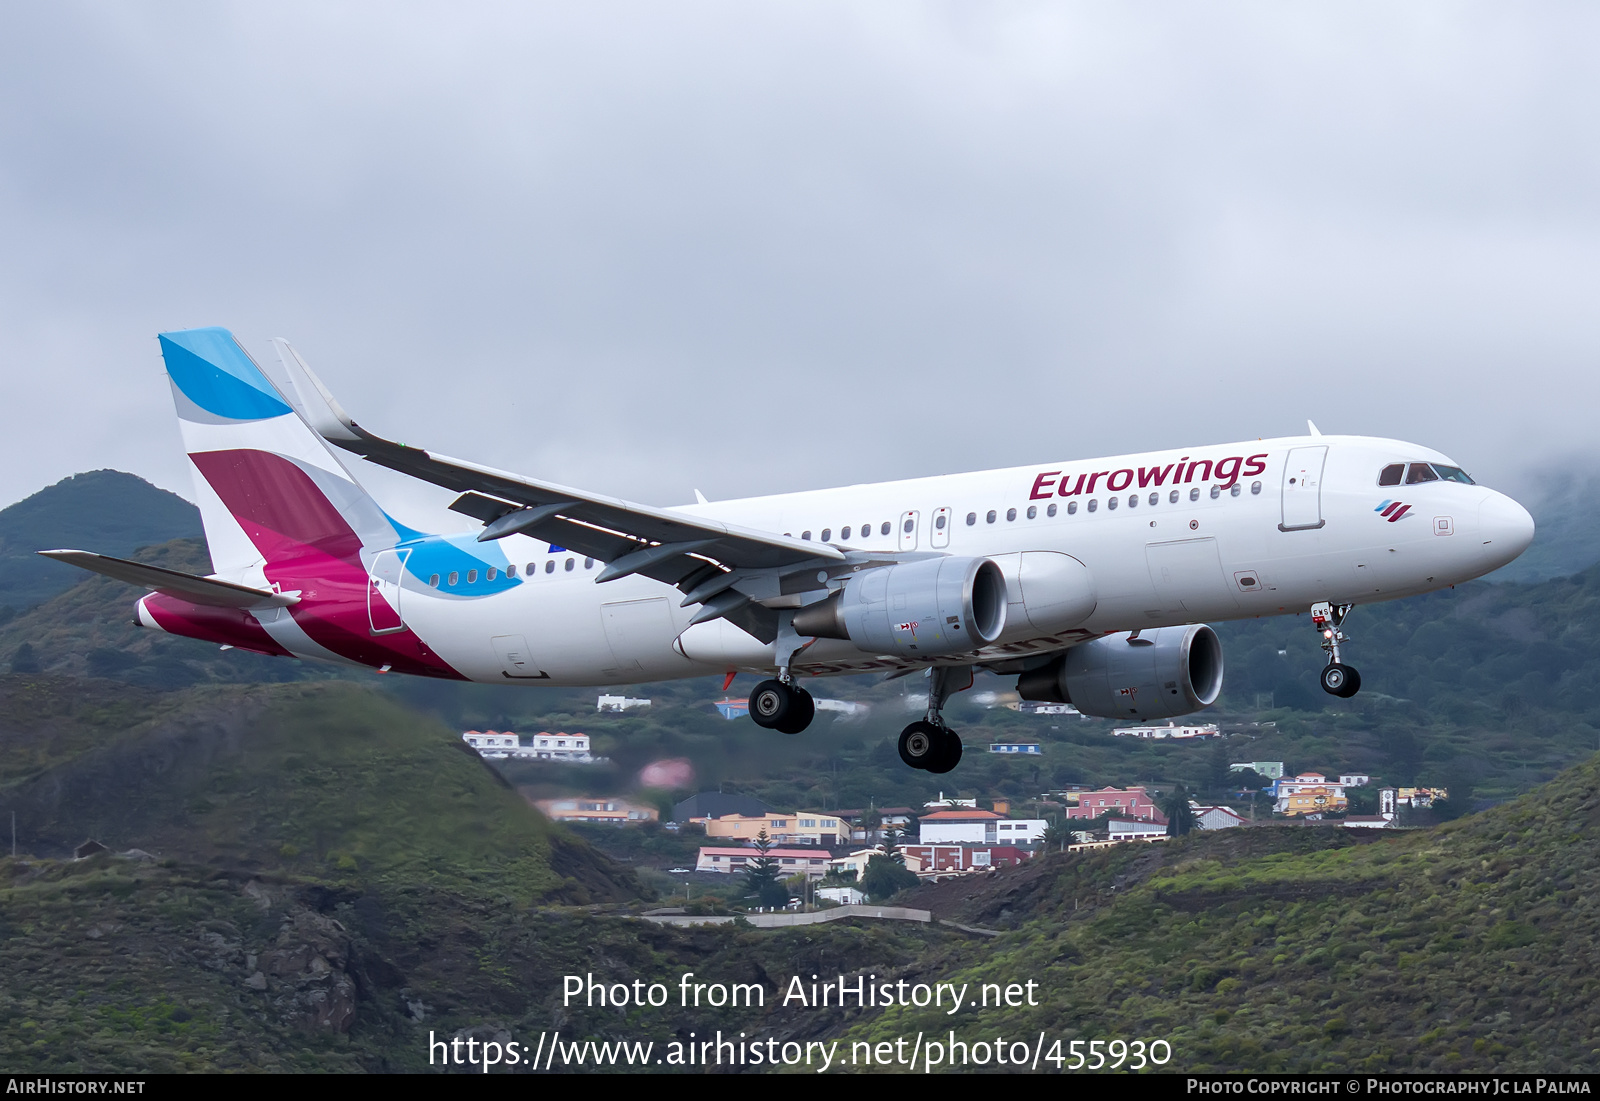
[1473, 946]
[103, 510]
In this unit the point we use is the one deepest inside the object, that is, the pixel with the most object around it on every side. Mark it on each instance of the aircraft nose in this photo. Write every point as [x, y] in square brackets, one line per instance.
[1506, 527]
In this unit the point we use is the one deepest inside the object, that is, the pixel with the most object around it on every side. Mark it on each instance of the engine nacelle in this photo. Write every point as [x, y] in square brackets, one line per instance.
[914, 609]
[1159, 674]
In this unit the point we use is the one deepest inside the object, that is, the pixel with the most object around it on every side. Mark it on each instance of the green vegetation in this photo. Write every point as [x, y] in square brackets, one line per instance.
[104, 510]
[1473, 946]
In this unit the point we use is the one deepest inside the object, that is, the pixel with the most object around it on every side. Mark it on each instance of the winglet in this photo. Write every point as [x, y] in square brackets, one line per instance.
[313, 401]
[1312, 428]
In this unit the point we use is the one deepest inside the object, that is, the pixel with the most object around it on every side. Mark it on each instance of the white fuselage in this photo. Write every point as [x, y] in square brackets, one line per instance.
[1235, 531]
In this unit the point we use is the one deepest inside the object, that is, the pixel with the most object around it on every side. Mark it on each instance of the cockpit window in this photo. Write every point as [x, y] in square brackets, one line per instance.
[1419, 473]
[1454, 474]
[1392, 474]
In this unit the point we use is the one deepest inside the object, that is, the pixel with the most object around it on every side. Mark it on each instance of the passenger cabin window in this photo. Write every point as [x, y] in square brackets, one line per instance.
[1419, 473]
[827, 535]
[845, 534]
[433, 582]
[550, 566]
[588, 563]
[511, 570]
[570, 563]
[938, 521]
[1172, 498]
[1011, 514]
[1391, 474]
[472, 577]
[806, 535]
[532, 568]
[455, 576]
[1111, 502]
[1050, 510]
[885, 529]
[1093, 504]
[492, 574]
[1033, 511]
[1194, 494]
[1072, 508]
[989, 517]
[972, 518]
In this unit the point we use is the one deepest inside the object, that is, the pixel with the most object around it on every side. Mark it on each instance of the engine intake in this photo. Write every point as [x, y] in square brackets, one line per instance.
[1159, 674]
[914, 609]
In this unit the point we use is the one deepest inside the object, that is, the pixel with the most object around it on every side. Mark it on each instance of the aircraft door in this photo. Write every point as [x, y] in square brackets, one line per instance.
[908, 530]
[383, 592]
[1302, 489]
[939, 535]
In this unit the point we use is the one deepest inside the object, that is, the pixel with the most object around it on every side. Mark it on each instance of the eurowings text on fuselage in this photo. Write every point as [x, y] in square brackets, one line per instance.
[1086, 579]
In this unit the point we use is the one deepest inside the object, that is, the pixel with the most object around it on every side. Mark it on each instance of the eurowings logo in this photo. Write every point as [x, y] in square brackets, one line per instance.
[1392, 510]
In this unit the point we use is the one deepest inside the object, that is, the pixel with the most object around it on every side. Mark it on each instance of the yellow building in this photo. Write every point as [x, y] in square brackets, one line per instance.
[1315, 800]
[807, 827]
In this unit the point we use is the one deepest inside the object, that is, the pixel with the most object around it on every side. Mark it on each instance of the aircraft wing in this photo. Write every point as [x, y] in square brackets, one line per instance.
[185, 586]
[660, 543]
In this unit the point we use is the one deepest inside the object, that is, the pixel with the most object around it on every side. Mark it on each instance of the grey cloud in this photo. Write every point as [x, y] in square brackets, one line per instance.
[646, 248]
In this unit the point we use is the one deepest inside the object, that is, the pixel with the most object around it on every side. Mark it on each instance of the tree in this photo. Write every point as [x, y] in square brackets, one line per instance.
[25, 660]
[886, 876]
[1180, 819]
[1057, 836]
[761, 875]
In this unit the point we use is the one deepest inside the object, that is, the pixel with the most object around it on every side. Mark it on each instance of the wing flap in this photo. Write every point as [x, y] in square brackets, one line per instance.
[185, 586]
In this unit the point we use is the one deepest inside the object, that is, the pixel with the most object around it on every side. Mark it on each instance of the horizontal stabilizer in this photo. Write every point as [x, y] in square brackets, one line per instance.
[185, 586]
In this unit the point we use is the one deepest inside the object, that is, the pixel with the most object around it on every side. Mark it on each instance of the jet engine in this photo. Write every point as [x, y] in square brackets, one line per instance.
[1153, 674]
[915, 609]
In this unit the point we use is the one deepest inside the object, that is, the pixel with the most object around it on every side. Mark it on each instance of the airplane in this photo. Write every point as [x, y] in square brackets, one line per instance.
[1090, 581]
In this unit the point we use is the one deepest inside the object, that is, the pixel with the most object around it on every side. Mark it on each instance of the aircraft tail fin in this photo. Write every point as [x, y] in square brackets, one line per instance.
[269, 489]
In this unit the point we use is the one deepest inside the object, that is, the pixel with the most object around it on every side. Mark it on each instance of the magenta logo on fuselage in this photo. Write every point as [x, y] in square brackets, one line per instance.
[1225, 472]
[1392, 510]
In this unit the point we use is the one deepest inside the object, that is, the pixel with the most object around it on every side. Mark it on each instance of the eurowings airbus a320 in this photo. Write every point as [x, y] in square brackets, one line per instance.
[1087, 580]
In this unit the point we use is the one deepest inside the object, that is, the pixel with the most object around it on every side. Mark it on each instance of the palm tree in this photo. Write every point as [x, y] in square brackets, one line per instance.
[1180, 819]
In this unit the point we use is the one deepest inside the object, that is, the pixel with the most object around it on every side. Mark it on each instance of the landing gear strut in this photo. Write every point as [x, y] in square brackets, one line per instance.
[780, 704]
[928, 743]
[1338, 679]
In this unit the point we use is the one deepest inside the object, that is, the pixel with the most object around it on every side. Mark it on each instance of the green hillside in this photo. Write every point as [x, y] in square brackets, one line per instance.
[1473, 946]
[318, 835]
[104, 510]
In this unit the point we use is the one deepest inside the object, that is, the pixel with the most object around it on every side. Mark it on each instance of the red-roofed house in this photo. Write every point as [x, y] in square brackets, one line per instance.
[1131, 803]
[959, 826]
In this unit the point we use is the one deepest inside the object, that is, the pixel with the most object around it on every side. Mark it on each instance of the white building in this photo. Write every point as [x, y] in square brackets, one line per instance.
[497, 746]
[619, 703]
[843, 707]
[559, 747]
[847, 896]
[1215, 818]
[491, 743]
[1354, 779]
[1028, 748]
[1135, 831]
[1171, 730]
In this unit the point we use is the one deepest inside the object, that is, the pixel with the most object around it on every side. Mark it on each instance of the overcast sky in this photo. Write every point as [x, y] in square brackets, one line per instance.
[645, 248]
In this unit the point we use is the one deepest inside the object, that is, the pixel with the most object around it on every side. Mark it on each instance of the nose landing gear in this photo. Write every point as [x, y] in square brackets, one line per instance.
[929, 744]
[1338, 679]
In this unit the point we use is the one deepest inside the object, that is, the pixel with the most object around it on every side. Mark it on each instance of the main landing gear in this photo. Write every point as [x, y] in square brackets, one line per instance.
[928, 744]
[1338, 679]
[780, 704]
[786, 708]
